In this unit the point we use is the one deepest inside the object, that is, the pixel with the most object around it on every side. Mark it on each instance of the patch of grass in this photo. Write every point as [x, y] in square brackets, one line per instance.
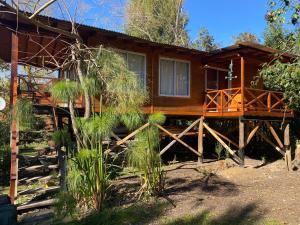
[272, 222]
[138, 214]
[35, 145]
[201, 218]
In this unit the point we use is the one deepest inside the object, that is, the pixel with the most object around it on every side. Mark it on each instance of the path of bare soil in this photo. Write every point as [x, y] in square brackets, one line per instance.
[265, 193]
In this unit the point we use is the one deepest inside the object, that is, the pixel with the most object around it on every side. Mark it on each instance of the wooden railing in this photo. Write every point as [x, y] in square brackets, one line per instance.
[38, 90]
[254, 100]
[36, 87]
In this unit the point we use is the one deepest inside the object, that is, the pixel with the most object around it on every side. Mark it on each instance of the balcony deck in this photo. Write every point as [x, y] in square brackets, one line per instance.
[218, 103]
[236, 102]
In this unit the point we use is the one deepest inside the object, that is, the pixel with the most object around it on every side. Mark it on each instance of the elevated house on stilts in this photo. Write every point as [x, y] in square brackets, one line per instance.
[183, 83]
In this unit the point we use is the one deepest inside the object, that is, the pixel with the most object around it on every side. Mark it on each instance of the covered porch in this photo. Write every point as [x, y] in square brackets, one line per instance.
[234, 87]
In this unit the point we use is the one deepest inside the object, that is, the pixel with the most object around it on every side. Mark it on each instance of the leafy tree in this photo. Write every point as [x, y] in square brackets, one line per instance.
[280, 75]
[205, 41]
[284, 77]
[283, 10]
[246, 37]
[162, 21]
[5, 132]
[3, 66]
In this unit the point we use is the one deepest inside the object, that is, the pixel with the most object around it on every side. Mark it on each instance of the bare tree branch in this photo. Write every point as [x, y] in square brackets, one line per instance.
[46, 5]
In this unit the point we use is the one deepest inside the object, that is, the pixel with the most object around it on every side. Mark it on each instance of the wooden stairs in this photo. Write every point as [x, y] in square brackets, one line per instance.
[38, 181]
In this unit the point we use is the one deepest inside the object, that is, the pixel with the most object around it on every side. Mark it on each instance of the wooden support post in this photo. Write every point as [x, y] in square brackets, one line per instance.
[241, 152]
[242, 84]
[179, 136]
[269, 101]
[200, 140]
[14, 136]
[287, 146]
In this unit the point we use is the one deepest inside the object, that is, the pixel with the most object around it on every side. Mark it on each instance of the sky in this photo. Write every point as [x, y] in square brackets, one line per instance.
[223, 18]
[226, 18]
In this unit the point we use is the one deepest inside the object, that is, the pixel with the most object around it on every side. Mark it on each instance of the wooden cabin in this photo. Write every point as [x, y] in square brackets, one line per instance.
[182, 82]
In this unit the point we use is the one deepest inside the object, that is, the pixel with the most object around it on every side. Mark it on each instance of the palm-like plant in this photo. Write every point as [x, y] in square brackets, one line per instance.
[107, 78]
[68, 91]
[144, 156]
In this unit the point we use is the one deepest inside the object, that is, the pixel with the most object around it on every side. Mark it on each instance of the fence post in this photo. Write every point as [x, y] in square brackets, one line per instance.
[269, 101]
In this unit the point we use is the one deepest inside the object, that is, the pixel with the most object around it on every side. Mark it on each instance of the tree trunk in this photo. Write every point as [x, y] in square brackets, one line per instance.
[87, 99]
[74, 126]
[62, 167]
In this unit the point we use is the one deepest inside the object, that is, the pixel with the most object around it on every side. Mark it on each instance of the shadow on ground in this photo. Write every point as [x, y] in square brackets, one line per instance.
[145, 214]
[209, 183]
[235, 215]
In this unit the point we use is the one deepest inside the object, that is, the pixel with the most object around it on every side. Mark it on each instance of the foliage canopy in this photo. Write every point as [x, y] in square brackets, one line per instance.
[162, 21]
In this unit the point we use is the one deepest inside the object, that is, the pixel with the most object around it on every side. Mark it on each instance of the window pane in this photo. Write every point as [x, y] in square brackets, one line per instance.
[136, 63]
[182, 79]
[212, 79]
[166, 77]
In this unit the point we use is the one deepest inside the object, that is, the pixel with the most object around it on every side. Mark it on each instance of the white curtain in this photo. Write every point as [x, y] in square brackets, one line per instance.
[167, 77]
[174, 78]
[182, 79]
[136, 63]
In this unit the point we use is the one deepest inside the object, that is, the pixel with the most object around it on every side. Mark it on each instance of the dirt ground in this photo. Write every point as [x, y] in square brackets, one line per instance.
[269, 192]
[254, 193]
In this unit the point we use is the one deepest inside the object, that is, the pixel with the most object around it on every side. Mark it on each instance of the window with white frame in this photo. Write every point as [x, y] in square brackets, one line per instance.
[174, 78]
[137, 64]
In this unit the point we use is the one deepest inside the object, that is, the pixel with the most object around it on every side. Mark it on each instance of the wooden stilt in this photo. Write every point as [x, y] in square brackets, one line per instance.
[241, 152]
[14, 136]
[179, 136]
[287, 146]
[200, 140]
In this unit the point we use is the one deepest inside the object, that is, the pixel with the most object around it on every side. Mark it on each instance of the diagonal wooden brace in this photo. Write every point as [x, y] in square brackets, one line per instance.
[179, 136]
[211, 131]
[177, 139]
[273, 132]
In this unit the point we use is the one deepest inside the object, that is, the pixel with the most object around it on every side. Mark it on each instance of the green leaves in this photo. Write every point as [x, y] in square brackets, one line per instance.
[157, 118]
[284, 77]
[205, 41]
[162, 21]
[282, 9]
[144, 156]
[66, 90]
[62, 138]
[3, 66]
[24, 113]
[98, 127]
[132, 120]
